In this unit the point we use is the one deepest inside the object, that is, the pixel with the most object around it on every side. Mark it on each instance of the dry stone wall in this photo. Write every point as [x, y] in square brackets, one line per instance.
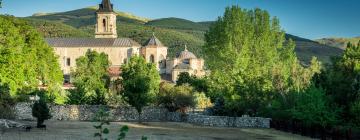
[151, 114]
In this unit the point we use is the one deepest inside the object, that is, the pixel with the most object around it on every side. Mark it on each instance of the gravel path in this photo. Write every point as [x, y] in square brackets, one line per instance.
[67, 130]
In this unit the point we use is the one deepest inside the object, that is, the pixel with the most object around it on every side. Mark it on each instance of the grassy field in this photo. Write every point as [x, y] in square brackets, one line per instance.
[154, 131]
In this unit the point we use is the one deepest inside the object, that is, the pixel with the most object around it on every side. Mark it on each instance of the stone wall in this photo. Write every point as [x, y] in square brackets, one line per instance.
[151, 114]
[87, 113]
[224, 121]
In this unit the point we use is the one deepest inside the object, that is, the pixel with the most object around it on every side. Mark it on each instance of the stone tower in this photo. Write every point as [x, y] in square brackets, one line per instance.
[105, 21]
[155, 52]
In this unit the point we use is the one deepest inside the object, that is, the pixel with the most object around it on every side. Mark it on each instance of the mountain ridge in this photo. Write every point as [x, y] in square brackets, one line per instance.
[173, 32]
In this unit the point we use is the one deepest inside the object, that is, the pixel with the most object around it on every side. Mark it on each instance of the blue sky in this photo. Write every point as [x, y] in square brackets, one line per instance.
[311, 19]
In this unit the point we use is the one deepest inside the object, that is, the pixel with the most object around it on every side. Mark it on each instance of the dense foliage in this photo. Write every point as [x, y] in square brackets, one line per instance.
[176, 98]
[141, 82]
[91, 79]
[41, 111]
[6, 103]
[249, 60]
[341, 83]
[26, 61]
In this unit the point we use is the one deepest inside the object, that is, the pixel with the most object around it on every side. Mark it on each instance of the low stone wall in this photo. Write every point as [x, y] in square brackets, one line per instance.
[224, 121]
[87, 113]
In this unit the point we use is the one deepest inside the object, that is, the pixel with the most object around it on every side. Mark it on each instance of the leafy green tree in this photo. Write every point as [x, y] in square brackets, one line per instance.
[91, 77]
[175, 98]
[141, 82]
[25, 57]
[312, 107]
[41, 111]
[250, 58]
[341, 81]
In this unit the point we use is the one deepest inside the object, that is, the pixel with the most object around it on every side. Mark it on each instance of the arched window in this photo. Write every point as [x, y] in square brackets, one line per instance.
[104, 25]
[162, 62]
[186, 61]
[152, 58]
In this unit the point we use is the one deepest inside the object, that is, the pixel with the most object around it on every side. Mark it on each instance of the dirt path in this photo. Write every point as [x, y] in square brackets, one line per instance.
[62, 130]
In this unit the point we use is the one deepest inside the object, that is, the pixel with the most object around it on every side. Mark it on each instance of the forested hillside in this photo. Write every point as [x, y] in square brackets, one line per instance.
[338, 42]
[173, 32]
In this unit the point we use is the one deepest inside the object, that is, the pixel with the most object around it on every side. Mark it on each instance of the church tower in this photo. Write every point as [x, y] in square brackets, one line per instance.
[105, 21]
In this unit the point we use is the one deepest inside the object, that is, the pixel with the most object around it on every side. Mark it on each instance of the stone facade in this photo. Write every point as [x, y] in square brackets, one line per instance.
[185, 61]
[120, 50]
[116, 55]
[150, 114]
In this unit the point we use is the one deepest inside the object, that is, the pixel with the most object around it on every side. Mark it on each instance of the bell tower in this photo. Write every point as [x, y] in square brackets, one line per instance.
[105, 21]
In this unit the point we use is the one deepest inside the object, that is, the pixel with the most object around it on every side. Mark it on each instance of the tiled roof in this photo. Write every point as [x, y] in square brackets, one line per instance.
[154, 41]
[92, 42]
[114, 71]
[105, 6]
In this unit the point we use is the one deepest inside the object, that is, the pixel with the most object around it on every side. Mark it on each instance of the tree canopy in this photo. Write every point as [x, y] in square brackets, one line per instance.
[91, 78]
[249, 57]
[141, 82]
[26, 61]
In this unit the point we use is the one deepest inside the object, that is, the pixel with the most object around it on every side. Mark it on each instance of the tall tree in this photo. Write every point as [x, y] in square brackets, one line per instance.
[91, 77]
[248, 56]
[341, 81]
[25, 57]
[141, 82]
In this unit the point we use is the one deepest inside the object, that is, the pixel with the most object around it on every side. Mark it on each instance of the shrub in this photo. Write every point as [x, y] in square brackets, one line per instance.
[202, 101]
[219, 108]
[103, 116]
[355, 113]
[312, 108]
[184, 78]
[40, 110]
[6, 103]
[176, 97]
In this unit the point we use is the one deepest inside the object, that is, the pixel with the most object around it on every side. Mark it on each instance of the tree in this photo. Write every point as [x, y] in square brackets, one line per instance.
[91, 77]
[250, 58]
[6, 102]
[341, 81]
[25, 57]
[312, 107]
[141, 82]
[184, 78]
[41, 112]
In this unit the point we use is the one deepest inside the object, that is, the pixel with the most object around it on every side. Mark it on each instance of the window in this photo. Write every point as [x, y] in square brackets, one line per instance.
[152, 58]
[104, 25]
[68, 61]
[162, 64]
[186, 61]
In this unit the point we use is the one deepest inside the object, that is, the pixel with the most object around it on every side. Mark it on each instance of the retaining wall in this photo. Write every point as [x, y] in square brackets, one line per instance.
[150, 114]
